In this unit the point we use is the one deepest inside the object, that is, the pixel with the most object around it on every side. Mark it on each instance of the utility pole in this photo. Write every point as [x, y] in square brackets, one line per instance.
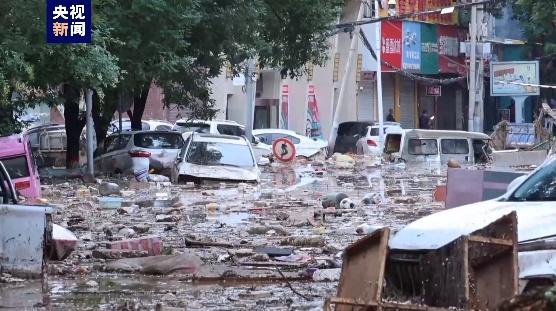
[89, 132]
[345, 77]
[472, 69]
[378, 52]
[250, 95]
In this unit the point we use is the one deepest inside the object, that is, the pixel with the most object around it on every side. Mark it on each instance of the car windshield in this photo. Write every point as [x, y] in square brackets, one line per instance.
[539, 187]
[158, 140]
[17, 167]
[216, 153]
[184, 127]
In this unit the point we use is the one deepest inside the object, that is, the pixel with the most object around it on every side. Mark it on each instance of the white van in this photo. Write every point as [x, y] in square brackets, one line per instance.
[436, 146]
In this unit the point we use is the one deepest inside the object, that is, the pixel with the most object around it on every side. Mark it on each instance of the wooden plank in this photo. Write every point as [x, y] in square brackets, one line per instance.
[482, 239]
[352, 302]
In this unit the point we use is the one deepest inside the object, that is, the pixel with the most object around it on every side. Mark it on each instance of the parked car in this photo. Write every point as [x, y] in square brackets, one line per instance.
[532, 197]
[209, 157]
[348, 134]
[146, 125]
[369, 141]
[223, 127]
[304, 146]
[16, 154]
[436, 146]
[115, 155]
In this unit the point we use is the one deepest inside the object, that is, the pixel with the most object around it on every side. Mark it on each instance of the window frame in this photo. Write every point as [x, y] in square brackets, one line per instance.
[409, 151]
[442, 140]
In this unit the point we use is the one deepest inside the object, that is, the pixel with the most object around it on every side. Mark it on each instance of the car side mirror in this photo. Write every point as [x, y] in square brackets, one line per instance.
[256, 140]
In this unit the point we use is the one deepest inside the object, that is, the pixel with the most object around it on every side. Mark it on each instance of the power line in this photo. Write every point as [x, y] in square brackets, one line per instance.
[408, 15]
[542, 86]
[407, 74]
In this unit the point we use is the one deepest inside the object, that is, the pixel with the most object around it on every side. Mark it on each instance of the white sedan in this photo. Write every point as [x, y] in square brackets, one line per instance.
[211, 157]
[304, 146]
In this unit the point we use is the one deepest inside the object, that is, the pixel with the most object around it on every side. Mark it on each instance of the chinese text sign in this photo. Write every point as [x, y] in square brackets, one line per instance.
[411, 59]
[68, 21]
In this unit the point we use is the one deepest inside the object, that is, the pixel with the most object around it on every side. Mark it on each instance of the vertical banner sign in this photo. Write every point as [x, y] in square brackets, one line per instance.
[411, 59]
[391, 44]
[429, 49]
[284, 107]
[448, 49]
[68, 21]
[313, 127]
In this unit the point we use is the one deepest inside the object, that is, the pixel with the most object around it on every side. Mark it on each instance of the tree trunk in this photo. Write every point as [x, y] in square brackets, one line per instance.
[139, 101]
[102, 114]
[74, 125]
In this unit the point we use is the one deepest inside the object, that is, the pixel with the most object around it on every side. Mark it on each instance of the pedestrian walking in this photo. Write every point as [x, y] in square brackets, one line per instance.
[424, 120]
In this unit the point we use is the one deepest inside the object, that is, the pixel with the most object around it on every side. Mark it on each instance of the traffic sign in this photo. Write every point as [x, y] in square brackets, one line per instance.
[283, 149]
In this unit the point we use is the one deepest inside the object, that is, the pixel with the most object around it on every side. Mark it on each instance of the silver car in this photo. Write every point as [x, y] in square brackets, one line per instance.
[207, 157]
[114, 156]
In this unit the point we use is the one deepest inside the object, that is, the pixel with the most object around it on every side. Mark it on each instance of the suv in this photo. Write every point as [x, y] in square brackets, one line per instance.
[223, 127]
[369, 141]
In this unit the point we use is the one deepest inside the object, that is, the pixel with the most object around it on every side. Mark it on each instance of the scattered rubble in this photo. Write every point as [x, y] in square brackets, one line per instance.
[222, 232]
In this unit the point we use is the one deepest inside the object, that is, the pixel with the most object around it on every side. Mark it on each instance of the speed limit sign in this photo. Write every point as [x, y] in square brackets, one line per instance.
[283, 149]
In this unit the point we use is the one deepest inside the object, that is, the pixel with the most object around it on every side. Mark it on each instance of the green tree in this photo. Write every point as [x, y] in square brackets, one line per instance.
[49, 73]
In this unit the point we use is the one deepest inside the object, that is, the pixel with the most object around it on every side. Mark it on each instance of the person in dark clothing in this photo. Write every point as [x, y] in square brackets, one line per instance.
[390, 116]
[424, 120]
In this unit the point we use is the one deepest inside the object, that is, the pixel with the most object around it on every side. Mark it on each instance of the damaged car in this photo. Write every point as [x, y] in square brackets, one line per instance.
[532, 197]
[115, 155]
[208, 157]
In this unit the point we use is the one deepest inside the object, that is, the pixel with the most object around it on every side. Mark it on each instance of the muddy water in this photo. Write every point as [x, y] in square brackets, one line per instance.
[406, 195]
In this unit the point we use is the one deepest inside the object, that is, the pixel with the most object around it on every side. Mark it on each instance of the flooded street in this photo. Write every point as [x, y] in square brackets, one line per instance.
[282, 213]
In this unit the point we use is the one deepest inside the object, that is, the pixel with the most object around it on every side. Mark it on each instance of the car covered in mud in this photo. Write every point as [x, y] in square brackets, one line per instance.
[116, 153]
[208, 157]
[532, 197]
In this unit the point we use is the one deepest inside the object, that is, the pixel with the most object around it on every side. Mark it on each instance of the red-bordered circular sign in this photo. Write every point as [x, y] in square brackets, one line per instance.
[283, 149]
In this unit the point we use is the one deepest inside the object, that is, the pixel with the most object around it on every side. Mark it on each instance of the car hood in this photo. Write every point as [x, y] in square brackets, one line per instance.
[220, 172]
[535, 219]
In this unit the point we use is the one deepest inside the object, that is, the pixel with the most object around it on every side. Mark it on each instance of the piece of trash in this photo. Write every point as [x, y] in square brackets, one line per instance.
[107, 188]
[327, 275]
[367, 229]
[110, 202]
[157, 178]
[310, 241]
[187, 263]
[347, 203]
[372, 198]
[274, 251]
[151, 244]
[333, 199]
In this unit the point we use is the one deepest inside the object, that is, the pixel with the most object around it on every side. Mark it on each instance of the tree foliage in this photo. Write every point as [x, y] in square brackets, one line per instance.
[178, 45]
[538, 19]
